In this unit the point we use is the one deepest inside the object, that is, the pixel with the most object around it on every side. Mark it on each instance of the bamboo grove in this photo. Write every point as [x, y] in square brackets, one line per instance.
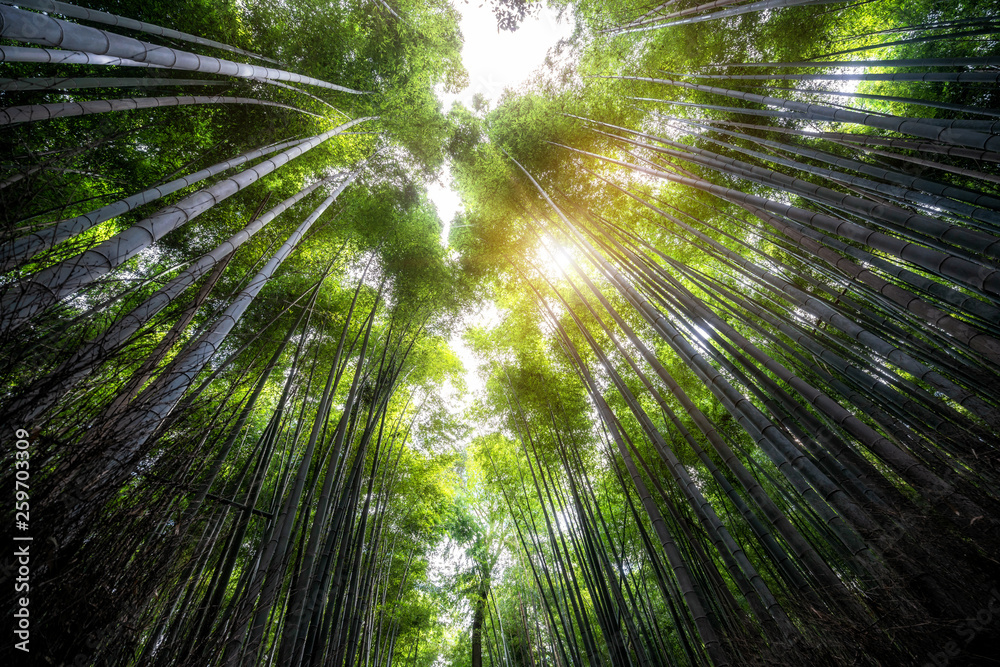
[741, 402]
[222, 327]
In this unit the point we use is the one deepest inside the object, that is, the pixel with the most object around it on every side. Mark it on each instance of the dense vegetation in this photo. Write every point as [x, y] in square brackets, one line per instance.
[741, 392]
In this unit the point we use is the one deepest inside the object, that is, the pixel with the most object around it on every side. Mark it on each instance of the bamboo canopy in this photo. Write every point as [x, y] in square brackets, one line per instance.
[725, 283]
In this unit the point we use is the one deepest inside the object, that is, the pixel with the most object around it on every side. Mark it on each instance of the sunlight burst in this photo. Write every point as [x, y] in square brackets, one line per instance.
[552, 258]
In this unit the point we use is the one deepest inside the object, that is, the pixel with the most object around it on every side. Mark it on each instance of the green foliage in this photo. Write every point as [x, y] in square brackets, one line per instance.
[563, 522]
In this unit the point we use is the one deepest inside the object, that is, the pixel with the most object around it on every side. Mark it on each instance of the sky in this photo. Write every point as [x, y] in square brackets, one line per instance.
[495, 61]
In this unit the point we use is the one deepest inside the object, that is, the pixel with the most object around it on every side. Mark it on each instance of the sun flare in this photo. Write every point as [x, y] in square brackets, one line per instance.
[553, 258]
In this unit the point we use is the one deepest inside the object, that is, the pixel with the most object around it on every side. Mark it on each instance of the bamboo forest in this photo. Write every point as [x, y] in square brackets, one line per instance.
[702, 369]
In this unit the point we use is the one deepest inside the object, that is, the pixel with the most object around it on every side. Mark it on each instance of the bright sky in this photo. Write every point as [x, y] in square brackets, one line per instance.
[495, 61]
